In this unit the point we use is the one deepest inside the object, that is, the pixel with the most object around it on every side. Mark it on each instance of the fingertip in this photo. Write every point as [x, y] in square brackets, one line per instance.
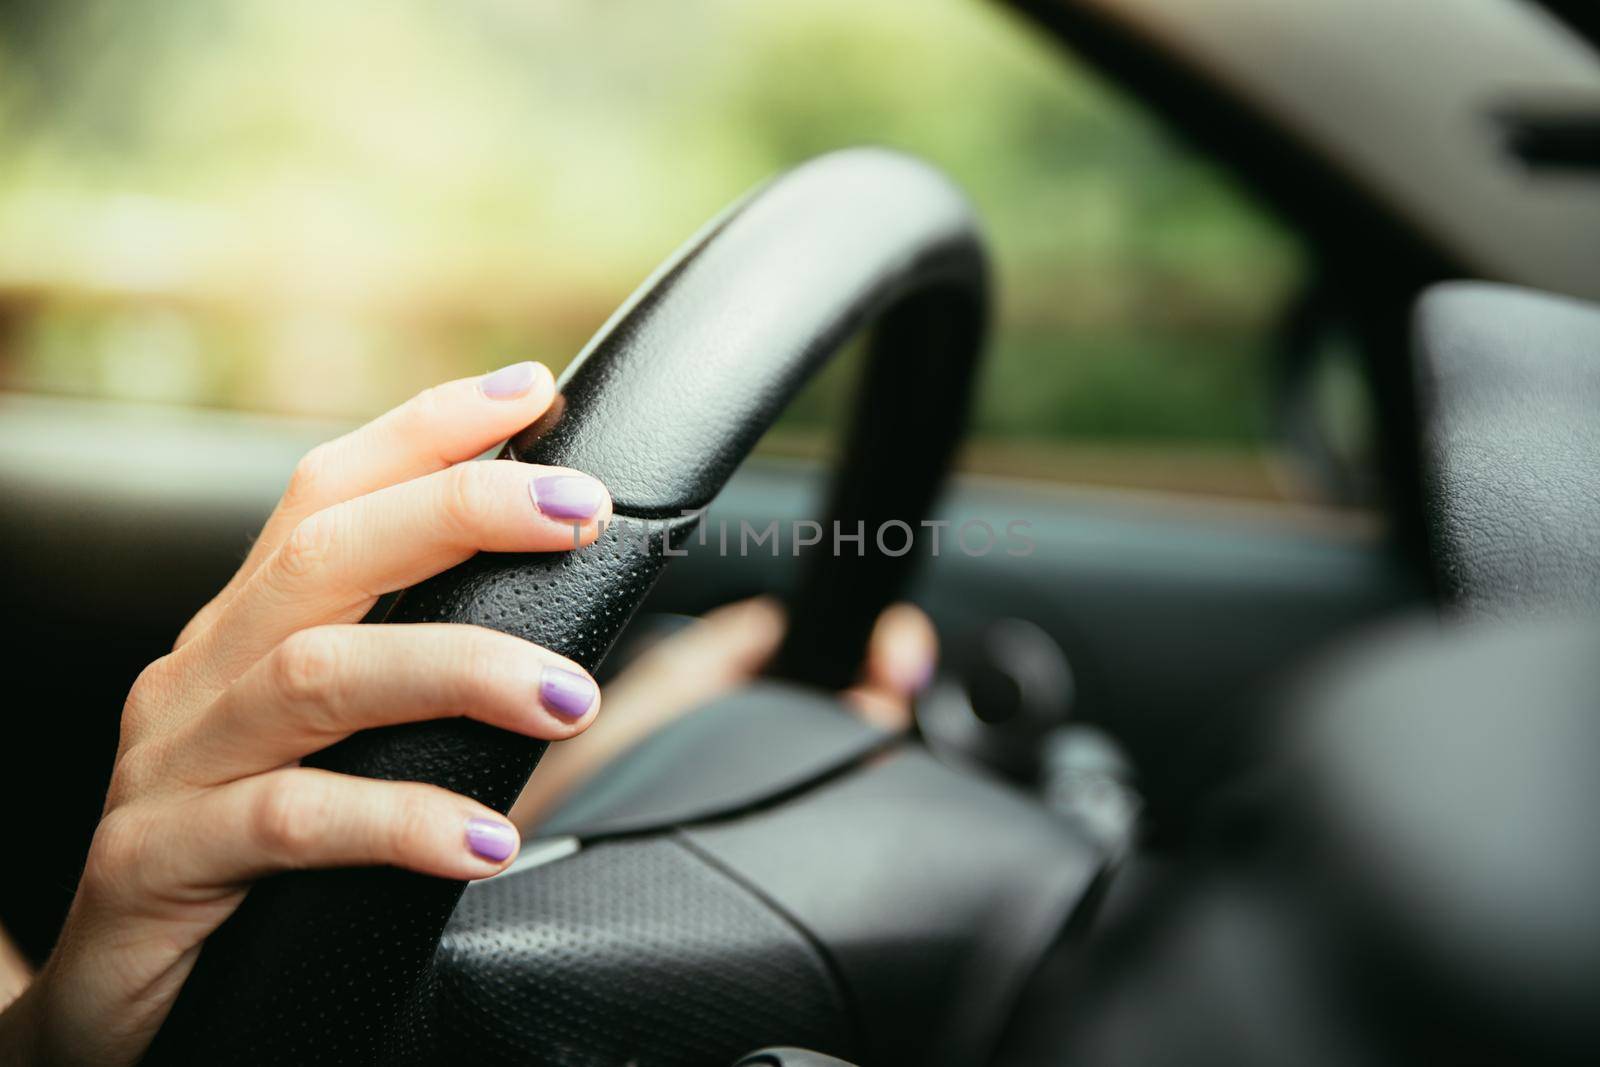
[526, 380]
[757, 619]
[904, 649]
[602, 518]
[905, 618]
[763, 604]
[766, 610]
[588, 532]
[491, 839]
[572, 498]
[546, 376]
[570, 695]
[543, 393]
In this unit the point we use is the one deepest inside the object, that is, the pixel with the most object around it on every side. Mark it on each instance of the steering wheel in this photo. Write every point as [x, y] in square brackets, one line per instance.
[654, 945]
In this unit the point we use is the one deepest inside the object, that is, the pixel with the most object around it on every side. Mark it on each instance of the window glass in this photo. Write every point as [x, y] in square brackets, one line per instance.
[305, 207]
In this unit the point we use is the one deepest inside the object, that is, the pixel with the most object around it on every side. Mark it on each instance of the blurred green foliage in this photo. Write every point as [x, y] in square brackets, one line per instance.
[310, 206]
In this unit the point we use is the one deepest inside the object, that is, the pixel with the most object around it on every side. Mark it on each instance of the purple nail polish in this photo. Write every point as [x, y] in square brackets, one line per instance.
[567, 496]
[491, 839]
[565, 692]
[508, 382]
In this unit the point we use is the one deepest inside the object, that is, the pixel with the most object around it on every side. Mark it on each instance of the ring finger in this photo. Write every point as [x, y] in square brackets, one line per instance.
[326, 683]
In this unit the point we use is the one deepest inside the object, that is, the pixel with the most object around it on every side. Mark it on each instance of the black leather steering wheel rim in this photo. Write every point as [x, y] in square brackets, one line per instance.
[662, 406]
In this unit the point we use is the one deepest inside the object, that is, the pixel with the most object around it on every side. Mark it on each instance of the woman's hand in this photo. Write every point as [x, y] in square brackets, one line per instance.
[716, 654]
[207, 794]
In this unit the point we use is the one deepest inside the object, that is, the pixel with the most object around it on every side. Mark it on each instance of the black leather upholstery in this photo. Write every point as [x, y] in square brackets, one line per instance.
[750, 748]
[935, 892]
[1509, 383]
[344, 966]
[635, 951]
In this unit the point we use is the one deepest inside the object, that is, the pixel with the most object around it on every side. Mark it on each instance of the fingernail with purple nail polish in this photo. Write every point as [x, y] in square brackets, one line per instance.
[567, 693]
[912, 676]
[509, 382]
[491, 839]
[567, 496]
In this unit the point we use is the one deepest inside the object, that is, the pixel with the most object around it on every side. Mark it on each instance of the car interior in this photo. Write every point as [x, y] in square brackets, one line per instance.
[1200, 779]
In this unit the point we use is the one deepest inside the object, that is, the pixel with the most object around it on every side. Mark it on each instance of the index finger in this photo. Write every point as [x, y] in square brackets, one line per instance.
[438, 427]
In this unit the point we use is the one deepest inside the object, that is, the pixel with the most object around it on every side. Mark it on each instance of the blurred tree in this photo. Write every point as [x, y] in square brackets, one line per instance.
[295, 205]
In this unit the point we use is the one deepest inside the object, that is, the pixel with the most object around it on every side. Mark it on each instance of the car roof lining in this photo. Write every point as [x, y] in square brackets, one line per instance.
[1287, 93]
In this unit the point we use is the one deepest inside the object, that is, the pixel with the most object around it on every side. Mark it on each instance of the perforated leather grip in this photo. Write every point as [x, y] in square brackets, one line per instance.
[662, 406]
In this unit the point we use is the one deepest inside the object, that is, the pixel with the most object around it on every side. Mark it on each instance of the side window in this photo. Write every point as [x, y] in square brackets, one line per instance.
[215, 204]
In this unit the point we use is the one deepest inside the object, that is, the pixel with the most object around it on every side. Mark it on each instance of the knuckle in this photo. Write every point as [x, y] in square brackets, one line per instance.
[408, 826]
[306, 668]
[153, 680]
[310, 475]
[288, 817]
[138, 770]
[475, 660]
[119, 856]
[201, 619]
[307, 548]
[427, 410]
[468, 494]
[150, 690]
[486, 674]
